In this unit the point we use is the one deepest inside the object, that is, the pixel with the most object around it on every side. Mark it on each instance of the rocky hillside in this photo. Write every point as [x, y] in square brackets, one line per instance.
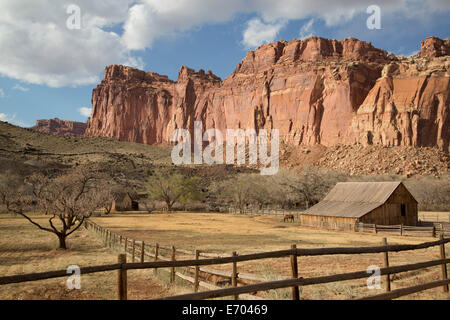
[61, 127]
[315, 91]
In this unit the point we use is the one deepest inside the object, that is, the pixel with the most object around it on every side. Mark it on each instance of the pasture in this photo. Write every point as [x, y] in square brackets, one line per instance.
[25, 249]
[224, 233]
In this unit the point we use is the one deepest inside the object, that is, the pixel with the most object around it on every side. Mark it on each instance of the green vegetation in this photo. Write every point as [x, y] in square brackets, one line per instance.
[163, 185]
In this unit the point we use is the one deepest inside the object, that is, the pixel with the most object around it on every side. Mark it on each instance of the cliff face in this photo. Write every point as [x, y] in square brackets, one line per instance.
[316, 91]
[61, 127]
[409, 104]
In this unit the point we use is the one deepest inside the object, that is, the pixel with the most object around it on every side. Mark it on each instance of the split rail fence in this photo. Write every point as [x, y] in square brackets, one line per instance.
[435, 217]
[243, 291]
[138, 250]
[433, 230]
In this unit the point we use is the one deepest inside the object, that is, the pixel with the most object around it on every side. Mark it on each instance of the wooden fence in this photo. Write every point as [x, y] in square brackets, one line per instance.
[266, 212]
[433, 230]
[139, 250]
[242, 291]
[435, 217]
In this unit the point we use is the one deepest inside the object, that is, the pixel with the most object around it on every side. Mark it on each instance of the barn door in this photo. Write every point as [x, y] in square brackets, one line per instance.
[403, 213]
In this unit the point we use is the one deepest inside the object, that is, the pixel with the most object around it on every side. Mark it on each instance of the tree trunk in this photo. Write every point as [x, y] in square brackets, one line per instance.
[62, 242]
[169, 206]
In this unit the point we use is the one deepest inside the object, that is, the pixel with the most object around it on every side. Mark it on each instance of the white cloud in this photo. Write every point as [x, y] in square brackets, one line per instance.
[2, 93]
[306, 30]
[258, 33]
[12, 119]
[85, 112]
[20, 88]
[38, 48]
[151, 19]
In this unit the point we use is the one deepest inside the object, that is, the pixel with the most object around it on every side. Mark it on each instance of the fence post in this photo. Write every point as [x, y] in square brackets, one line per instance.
[133, 250]
[142, 251]
[375, 228]
[234, 275]
[386, 265]
[434, 231]
[294, 269]
[122, 279]
[197, 269]
[126, 245]
[401, 229]
[172, 269]
[156, 257]
[444, 265]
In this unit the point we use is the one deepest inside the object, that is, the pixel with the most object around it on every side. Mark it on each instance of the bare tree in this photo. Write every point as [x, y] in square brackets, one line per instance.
[237, 191]
[67, 199]
[311, 185]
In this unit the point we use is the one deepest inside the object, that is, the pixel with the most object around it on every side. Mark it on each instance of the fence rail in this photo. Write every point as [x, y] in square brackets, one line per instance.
[139, 249]
[403, 230]
[433, 230]
[435, 217]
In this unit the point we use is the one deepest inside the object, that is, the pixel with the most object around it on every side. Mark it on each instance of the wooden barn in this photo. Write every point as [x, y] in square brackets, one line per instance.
[125, 201]
[382, 203]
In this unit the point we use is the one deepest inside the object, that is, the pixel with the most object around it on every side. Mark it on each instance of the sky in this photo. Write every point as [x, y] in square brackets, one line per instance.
[53, 52]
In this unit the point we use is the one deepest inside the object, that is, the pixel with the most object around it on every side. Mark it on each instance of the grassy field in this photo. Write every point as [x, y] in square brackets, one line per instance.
[25, 249]
[224, 233]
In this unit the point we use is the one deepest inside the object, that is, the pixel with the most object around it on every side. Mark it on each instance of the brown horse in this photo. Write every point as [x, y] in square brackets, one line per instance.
[288, 217]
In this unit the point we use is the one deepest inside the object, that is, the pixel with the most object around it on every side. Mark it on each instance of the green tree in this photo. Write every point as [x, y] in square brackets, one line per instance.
[164, 185]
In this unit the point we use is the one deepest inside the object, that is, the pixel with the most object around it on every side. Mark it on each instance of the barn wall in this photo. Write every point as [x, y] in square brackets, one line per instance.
[335, 223]
[390, 212]
[124, 205]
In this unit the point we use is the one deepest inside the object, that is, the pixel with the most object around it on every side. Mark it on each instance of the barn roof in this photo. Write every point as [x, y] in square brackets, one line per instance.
[119, 196]
[353, 199]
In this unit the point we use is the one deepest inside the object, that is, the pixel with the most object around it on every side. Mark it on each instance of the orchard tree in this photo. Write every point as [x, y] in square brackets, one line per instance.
[171, 188]
[66, 199]
[237, 191]
[310, 185]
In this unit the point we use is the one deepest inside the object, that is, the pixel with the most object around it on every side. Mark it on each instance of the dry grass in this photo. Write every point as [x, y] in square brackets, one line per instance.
[223, 233]
[25, 249]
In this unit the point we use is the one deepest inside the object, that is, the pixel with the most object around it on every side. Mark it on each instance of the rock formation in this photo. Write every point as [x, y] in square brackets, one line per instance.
[61, 127]
[315, 91]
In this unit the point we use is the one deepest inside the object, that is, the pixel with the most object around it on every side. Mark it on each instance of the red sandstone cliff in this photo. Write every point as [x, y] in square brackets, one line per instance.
[62, 127]
[316, 91]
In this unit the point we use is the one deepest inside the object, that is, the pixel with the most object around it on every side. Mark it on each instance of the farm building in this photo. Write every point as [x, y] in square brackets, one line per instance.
[125, 201]
[382, 203]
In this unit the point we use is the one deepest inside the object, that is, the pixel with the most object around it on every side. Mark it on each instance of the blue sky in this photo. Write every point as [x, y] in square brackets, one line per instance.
[48, 70]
